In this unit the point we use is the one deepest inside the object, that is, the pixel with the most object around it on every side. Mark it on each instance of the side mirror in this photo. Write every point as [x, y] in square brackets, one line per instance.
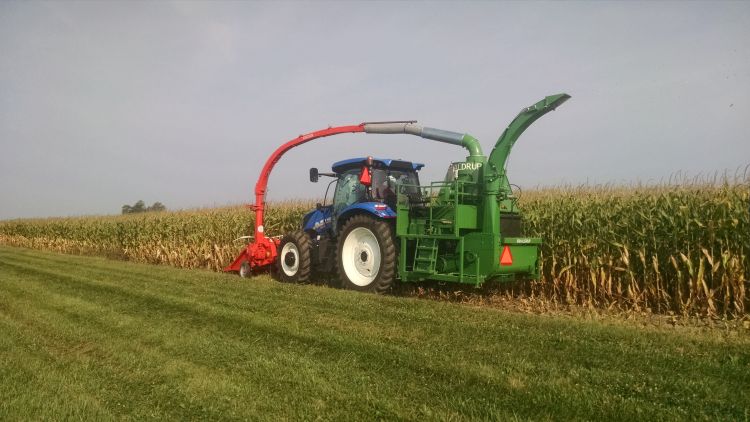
[314, 175]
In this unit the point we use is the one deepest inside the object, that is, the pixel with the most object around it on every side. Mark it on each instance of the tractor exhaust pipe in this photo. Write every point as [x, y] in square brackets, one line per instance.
[411, 128]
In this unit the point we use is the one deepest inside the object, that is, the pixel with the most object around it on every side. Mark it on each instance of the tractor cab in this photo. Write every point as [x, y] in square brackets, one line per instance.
[362, 186]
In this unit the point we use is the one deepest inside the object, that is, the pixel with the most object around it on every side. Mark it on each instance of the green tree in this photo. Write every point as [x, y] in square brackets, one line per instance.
[140, 206]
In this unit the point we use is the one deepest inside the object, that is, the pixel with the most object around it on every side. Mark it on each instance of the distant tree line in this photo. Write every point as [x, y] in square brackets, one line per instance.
[140, 206]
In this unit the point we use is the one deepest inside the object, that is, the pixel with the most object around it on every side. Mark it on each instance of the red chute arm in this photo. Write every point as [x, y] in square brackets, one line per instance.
[262, 251]
[262, 184]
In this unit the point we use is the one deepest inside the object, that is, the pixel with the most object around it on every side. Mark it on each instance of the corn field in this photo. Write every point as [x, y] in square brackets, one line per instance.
[682, 249]
[187, 239]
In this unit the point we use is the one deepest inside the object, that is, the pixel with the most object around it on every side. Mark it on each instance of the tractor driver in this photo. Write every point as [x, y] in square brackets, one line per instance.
[383, 184]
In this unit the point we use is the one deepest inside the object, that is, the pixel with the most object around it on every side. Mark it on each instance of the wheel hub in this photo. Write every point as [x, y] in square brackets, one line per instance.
[289, 259]
[362, 262]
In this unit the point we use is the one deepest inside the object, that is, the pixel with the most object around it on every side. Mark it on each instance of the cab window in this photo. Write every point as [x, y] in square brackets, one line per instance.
[348, 191]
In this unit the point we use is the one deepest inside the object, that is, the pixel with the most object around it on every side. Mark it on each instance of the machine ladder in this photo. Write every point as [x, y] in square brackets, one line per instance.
[425, 256]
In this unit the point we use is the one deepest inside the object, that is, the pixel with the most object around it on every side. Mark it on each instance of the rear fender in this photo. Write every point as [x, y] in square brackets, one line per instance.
[376, 209]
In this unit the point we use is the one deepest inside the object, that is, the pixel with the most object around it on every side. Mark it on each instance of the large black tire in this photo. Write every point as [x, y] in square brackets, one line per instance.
[293, 264]
[366, 254]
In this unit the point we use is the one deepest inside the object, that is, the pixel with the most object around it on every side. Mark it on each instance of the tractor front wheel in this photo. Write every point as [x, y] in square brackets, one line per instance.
[293, 263]
[366, 254]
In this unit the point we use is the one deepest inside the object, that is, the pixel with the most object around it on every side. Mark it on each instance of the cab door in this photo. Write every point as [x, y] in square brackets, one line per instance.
[349, 191]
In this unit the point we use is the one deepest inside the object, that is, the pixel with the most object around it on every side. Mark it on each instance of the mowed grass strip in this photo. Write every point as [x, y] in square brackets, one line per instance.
[85, 337]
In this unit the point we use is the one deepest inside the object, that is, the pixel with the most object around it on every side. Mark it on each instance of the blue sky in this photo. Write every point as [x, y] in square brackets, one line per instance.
[105, 103]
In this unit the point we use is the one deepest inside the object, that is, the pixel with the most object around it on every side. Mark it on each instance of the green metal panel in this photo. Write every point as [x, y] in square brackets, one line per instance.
[402, 219]
[466, 216]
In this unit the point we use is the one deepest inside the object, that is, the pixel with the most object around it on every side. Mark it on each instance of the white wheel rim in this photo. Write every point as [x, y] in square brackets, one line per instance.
[360, 256]
[289, 269]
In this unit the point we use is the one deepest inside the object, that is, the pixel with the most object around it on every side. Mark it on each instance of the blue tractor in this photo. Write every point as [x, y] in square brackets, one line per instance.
[353, 235]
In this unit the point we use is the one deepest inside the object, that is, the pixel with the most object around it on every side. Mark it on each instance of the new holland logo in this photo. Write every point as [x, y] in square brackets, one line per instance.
[322, 223]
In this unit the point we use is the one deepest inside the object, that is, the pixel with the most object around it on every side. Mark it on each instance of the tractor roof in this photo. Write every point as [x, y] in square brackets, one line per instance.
[356, 163]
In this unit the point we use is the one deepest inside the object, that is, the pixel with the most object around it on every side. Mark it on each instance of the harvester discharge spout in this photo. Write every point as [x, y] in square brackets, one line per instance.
[527, 116]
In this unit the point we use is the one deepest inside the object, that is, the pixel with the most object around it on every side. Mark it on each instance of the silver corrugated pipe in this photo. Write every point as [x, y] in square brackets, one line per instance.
[390, 128]
[439, 135]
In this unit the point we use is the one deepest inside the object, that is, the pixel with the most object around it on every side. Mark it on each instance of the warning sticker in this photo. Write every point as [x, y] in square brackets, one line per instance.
[506, 258]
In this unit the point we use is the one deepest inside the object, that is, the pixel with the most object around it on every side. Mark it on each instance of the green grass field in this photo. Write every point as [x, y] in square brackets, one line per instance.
[90, 338]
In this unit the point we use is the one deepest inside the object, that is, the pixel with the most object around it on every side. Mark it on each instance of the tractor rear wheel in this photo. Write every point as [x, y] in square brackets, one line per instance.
[293, 264]
[366, 254]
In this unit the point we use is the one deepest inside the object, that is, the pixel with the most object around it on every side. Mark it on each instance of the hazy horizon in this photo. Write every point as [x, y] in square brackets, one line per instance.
[106, 103]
